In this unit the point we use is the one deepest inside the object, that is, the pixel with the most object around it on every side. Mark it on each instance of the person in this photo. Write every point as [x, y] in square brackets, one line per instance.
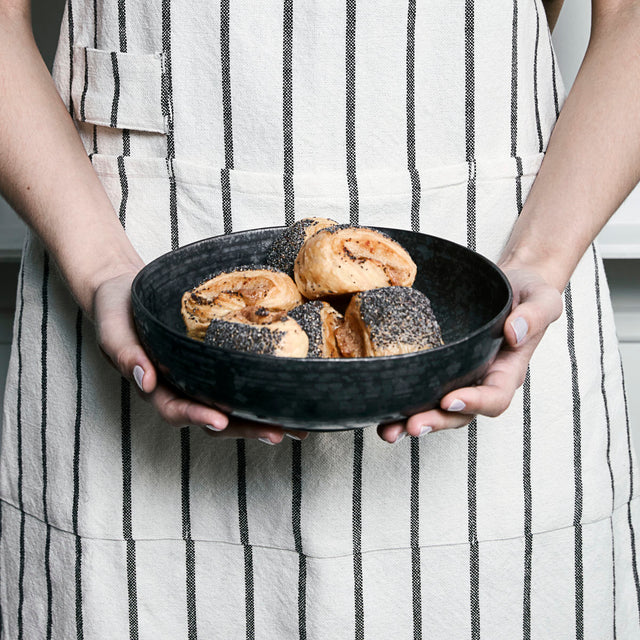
[194, 119]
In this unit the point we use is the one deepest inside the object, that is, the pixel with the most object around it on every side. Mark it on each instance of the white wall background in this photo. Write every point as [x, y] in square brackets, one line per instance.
[620, 238]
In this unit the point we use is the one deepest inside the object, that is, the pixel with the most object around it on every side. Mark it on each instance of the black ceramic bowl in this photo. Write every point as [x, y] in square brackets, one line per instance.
[469, 294]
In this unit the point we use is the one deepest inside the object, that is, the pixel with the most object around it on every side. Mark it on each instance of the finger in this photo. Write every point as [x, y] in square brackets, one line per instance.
[393, 432]
[422, 424]
[494, 395]
[179, 411]
[531, 317]
[118, 339]
[250, 430]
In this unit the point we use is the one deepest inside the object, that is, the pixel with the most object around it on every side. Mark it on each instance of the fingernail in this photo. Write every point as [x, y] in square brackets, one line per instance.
[424, 430]
[212, 427]
[456, 405]
[266, 441]
[520, 328]
[401, 435]
[138, 375]
[293, 437]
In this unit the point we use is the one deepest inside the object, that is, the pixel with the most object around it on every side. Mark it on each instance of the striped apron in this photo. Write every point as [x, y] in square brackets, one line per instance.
[206, 118]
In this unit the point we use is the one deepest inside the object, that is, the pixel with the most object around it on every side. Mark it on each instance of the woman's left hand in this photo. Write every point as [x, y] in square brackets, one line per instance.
[536, 304]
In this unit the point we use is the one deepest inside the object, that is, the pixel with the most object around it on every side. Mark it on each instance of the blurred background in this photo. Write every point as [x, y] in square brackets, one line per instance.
[619, 242]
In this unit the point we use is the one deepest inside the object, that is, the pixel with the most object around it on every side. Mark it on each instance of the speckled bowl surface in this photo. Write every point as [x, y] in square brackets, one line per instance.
[469, 295]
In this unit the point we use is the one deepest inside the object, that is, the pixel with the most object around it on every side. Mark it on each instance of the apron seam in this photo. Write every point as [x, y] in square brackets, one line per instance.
[336, 556]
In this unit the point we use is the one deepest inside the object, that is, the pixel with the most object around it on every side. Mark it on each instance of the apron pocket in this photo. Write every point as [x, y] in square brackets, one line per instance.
[118, 90]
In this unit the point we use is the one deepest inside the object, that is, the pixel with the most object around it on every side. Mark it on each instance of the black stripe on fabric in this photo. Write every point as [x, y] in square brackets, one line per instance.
[287, 110]
[535, 80]
[19, 461]
[124, 188]
[95, 46]
[296, 514]
[605, 404]
[43, 436]
[358, 584]
[71, 44]
[577, 466]
[528, 504]
[472, 443]
[125, 404]
[76, 477]
[185, 449]
[225, 184]
[632, 534]
[474, 550]
[127, 520]
[226, 83]
[411, 117]
[243, 522]
[227, 116]
[350, 94]
[514, 79]
[95, 24]
[85, 88]
[167, 110]
[416, 578]
[122, 24]
[116, 90]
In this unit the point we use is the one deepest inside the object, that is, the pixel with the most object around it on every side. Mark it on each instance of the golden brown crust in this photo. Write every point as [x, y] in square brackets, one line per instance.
[339, 260]
[257, 330]
[234, 290]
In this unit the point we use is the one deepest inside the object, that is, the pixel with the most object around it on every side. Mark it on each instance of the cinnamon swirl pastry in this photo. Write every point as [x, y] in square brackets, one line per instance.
[283, 252]
[258, 330]
[388, 321]
[319, 320]
[345, 259]
[233, 290]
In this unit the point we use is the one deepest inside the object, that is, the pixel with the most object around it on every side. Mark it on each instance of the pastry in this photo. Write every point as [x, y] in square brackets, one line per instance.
[319, 320]
[345, 259]
[388, 321]
[233, 290]
[258, 330]
[284, 250]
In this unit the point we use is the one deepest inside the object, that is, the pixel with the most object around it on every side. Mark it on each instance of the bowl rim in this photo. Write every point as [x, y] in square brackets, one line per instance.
[220, 351]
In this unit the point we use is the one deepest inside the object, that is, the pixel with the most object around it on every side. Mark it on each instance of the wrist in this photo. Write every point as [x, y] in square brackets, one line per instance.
[87, 273]
[550, 265]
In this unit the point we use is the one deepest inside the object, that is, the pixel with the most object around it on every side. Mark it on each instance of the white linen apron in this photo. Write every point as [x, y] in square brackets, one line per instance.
[205, 118]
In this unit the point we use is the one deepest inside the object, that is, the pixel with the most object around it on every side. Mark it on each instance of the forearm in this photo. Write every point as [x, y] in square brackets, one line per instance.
[45, 173]
[593, 157]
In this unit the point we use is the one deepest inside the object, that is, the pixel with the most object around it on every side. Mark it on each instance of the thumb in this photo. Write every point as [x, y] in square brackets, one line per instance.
[117, 334]
[537, 308]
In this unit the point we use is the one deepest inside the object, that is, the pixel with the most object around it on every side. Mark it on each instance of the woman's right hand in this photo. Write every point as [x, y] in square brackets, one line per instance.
[118, 340]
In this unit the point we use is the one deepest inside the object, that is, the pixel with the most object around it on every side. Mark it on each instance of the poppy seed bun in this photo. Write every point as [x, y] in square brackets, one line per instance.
[388, 321]
[233, 290]
[283, 252]
[257, 330]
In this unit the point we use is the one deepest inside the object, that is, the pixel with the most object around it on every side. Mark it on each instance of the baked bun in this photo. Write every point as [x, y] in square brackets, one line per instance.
[345, 259]
[258, 330]
[233, 290]
[388, 321]
[284, 250]
[319, 320]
